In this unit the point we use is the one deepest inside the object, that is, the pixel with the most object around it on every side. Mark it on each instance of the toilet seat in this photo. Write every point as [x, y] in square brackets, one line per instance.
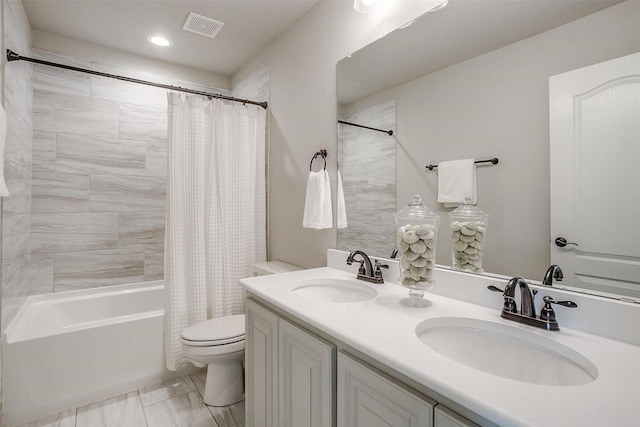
[215, 332]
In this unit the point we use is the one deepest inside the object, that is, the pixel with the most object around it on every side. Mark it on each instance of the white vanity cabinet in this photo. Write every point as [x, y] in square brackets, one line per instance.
[289, 373]
[445, 417]
[368, 399]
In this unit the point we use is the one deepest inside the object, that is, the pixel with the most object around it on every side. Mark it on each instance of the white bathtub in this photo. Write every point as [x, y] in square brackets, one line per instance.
[68, 349]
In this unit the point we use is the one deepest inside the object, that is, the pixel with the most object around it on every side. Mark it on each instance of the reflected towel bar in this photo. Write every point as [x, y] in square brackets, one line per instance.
[493, 161]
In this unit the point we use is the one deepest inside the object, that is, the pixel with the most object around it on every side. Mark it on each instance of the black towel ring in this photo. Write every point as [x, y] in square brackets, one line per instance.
[322, 153]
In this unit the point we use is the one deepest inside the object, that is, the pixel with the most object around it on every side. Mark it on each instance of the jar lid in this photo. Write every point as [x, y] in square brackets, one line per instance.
[467, 210]
[416, 210]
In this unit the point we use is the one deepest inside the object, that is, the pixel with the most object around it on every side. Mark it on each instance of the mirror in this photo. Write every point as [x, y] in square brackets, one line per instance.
[472, 81]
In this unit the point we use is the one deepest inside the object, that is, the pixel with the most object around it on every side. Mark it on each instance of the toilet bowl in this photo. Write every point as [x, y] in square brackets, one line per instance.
[219, 343]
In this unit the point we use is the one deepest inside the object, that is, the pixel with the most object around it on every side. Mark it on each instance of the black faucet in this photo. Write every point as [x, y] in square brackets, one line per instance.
[553, 272]
[527, 314]
[366, 271]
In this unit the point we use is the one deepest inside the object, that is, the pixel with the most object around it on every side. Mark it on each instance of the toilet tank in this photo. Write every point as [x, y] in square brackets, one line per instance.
[273, 267]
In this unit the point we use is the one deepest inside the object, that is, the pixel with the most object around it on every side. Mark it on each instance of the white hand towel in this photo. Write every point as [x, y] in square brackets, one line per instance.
[317, 206]
[4, 192]
[341, 210]
[457, 181]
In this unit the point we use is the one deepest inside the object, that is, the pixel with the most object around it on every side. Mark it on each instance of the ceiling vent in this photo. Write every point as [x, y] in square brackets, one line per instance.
[202, 25]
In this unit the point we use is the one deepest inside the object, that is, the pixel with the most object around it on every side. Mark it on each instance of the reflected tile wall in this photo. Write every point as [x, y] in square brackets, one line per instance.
[367, 161]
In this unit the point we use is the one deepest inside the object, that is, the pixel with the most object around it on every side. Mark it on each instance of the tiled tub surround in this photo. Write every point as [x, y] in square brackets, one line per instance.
[99, 171]
[382, 330]
[367, 164]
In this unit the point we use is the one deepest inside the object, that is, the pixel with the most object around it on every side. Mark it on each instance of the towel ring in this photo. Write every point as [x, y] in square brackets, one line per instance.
[322, 153]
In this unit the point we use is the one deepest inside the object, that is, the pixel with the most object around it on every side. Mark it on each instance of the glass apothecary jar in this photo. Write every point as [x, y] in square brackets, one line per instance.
[468, 230]
[416, 238]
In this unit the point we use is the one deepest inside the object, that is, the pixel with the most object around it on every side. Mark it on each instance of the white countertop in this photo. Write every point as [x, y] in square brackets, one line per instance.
[384, 328]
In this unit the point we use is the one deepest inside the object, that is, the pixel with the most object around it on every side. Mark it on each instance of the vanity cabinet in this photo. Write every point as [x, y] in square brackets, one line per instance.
[296, 379]
[289, 373]
[368, 399]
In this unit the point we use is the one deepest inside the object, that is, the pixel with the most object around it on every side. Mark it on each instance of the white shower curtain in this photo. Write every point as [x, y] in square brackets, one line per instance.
[216, 210]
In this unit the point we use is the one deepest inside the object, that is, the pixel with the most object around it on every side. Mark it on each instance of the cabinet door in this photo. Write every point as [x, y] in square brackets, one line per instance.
[306, 378]
[261, 366]
[367, 399]
[445, 417]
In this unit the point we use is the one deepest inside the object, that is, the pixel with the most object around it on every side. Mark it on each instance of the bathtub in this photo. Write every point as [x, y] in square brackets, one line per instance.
[69, 349]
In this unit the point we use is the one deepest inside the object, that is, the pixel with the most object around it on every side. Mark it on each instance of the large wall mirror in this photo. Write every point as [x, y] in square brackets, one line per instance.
[470, 81]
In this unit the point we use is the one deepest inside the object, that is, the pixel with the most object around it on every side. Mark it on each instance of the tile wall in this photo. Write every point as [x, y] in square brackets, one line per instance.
[367, 164]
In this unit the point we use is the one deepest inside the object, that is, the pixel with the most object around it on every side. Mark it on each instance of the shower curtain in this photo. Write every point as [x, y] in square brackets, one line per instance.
[216, 210]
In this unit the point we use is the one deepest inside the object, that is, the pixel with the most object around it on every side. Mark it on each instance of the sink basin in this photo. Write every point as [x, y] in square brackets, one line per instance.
[506, 351]
[334, 290]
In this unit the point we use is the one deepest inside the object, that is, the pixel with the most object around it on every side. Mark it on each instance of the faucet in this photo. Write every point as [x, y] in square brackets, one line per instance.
[366, 271]
[553, 272]
[527, 314]
[526, 297]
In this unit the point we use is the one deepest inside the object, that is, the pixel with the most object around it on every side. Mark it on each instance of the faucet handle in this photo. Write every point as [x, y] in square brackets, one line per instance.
[509, 302]
[547, 314]
[378, 273]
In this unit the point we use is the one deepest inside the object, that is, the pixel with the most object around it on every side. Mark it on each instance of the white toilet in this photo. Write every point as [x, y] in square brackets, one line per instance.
[219, 343]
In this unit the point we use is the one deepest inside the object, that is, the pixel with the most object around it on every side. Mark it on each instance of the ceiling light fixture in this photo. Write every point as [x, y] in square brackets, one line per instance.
[159, 41]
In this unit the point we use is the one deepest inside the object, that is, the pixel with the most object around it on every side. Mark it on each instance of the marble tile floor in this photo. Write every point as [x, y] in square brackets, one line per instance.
[176, 402]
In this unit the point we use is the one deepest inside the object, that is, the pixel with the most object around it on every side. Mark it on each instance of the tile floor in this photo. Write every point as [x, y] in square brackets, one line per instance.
[177, 402]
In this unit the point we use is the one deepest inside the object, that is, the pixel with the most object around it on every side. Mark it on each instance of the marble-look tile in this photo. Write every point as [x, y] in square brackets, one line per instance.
[17, 31]
[59, 192]
[79, 270]
[65, 113]
[143, 123]
[156, 160]
[154, 262]
[44, 151]
[15, 235]
[130, 93]
[200, 87]
[15, 286]
[75, 223]
[229, 416]
[184, 410]
[50, 243]
[18, 180]
[61, 419]
[18, 140]
[58, 79]
[41, 274]
[166, 390]
[121, 193]
[92, 154]
[199, 378]
[255, 87]
[140, 229]
[121, 411]
[18, 77]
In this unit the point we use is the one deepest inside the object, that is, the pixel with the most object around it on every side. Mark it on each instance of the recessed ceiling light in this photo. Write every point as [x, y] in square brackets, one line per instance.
[159, 41]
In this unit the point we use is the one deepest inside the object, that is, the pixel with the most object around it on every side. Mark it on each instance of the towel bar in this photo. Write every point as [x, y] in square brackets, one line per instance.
[493, 161]
[322, 153]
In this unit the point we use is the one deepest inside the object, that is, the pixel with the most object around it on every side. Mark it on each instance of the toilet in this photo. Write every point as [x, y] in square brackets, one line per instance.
[219, 344]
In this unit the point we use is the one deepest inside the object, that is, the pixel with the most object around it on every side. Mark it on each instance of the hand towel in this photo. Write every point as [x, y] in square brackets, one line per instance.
[341, 210]
[317, 205]
[4, 192]
[456, 181]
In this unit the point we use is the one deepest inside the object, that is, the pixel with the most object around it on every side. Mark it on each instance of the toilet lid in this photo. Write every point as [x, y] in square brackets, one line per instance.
[219, 330]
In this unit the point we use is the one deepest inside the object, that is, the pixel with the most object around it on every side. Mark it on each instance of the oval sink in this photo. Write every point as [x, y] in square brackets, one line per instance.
[333, 290]
[506, 351]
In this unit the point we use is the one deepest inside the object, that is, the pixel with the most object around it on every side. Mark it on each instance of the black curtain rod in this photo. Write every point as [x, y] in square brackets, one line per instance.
[12, 56]
[493, 161]
[389, 132]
